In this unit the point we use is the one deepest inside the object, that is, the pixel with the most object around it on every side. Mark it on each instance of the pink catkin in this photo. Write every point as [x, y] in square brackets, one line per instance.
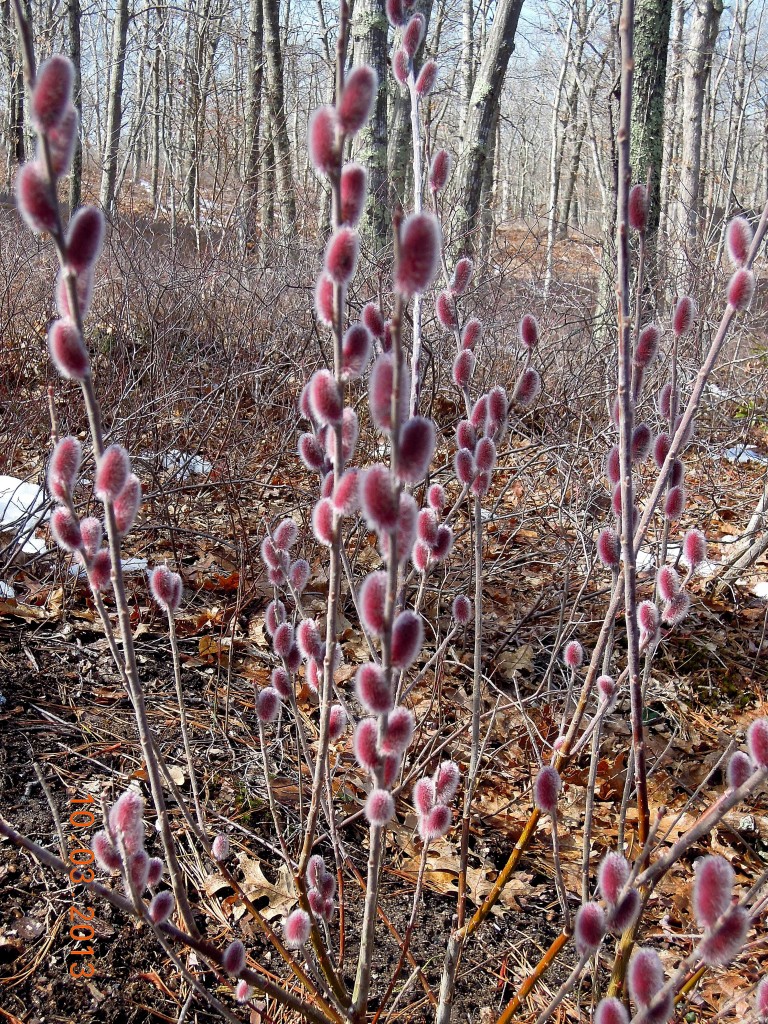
[417, 444]
[676, 609]
[668, 582]
[642, 440]
[337, 722]
[445, 310]
[112, 472]
[413, 34]
[161, 907]
[52, 93]
[406, 529]
[373, 320]
[694, 548]
[546, 789]
[757, 741]
[345, 493]
[609, 548]
[638, 207]
[401, 65]
[665, 402]
[573, 656]
[321, 141]
[439, 170]
[612, 876]
[684, 315]
[126, 819]
[127, 505]
[498, 407]
[462, 275]
[373, 689]
[426, 526]
[106, 855]
[479, 413]
[66, 530]
[741, 289]
[435, 824]
[354, 106]
[274, 616]
[738, 239]
[606, 688]
[471, 334]
[675, 503]
[420, 241]
[739, 769]
[436, 497]
[365, 744]
[589, 928]
[299, 574]
[408, 637]
[676, 474]
[380, 392]
[378, 498]
[624, 913]
[464, 466]
[308, 638]
[85, 236]
[371, 599]
[761, 1000]
[395, 11]
[92, 532]
[268, 705]
[296, 928]
[233, 960]
[100, 572]
[425, 83]
[661, 448]
[325, 397]
[463, 368]
[324, 299]
[322, 522]
[399, 731]
[446, 782]
[645, 975]
[725, 940]
[528, 388]
[64, 467]
[286, 534]
[466, 436]
[83, 290]
[379, 807]
[648, 617]
[443, 543]
[421, 556]
[341, 254]
[529, 331]
[69, 354]
[354, 182]
[61, 141]
[283, 639]
[355, 350]
[611, 1011]
[647, 345]
[461, 609]
[424, 796]
[712, 887]
[35, 199]
[156, 868]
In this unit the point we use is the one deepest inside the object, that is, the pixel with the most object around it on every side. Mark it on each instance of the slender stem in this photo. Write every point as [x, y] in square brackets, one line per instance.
[183, 720]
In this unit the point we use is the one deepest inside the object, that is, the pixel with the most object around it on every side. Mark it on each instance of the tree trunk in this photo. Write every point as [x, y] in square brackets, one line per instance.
[652, 23]
[400, 142]
[76, 178]
[698, 65]
[671, 135]
[276, 100]
[115, 107]
[369, 46]
[14, 131]
[482, 112]
[253, 118]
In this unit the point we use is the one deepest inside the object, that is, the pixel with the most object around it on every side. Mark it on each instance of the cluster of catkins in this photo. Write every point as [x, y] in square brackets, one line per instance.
[671, 589]
[477, 436]
[120, 847]
[413, 28]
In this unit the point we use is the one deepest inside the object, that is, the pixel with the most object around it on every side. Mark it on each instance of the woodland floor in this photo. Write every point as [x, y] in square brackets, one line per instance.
[66, 712]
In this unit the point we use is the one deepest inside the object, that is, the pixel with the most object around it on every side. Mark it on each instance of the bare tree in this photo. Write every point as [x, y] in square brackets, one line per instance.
[481, 115]
[253, 115]
[74, 15]
[114, 106]
[369, 46]
[698, 65]
[277, 111]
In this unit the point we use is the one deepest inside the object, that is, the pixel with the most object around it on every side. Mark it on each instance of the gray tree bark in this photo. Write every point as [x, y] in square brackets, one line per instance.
[698, 65]
[483, 105]
[652, 24]
[76, 178]
[369, 46]
[253, 117]
[277, 112]
[115, 106]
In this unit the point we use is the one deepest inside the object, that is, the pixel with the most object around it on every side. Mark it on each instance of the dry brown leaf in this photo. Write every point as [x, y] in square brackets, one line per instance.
[279, 894]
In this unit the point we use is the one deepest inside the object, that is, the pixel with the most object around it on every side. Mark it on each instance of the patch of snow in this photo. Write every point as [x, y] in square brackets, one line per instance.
[742, 453]
[21, 501]
[181, 465]
[645, 561]
[760, 589]
[6, 590]
[130, 565]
